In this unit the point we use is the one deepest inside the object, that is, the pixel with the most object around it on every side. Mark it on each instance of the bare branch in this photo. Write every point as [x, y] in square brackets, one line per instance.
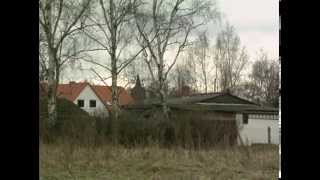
[172, 15]
[97, 41]
[44, 21]
[146, 40]
[96, 63]
[105, 15]
[58, 18]
[100, 77]
[127, 62]
[101, 28]
[73, 23]
[178, 52]
[67, 57]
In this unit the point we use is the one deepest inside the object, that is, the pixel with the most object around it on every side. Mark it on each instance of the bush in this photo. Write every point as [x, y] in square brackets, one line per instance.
[73, 123]
[188, 129]
[141, 127]
[185, 128]
[198, 129]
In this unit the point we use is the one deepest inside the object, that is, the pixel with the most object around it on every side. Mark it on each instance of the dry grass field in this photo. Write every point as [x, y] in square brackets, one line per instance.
[108, 162]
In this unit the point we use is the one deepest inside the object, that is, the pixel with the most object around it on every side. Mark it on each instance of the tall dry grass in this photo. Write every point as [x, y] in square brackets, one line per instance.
[186, 147]
[66, 161]
[185, 129]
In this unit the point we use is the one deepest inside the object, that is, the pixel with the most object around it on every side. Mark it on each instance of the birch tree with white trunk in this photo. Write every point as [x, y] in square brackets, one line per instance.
[171, 23]
[113, 37]
[59, 21]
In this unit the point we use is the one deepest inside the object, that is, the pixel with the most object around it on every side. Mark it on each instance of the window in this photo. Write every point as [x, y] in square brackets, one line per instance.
[92, 103]
[245, 119]
[80, 103]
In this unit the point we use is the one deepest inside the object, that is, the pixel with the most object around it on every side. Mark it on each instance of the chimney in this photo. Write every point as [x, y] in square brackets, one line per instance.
[72, 82]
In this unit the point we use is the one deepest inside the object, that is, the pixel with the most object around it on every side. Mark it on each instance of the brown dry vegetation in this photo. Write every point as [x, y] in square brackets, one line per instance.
[149, 148]
[65, 161]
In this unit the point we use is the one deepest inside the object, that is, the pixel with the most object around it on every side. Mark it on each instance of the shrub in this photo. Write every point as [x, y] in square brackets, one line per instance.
[189, 129]
[73, 123]
[200, 129]
[185, 128]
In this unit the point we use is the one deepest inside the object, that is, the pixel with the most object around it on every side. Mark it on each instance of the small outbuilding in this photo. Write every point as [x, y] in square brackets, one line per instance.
[256, 123]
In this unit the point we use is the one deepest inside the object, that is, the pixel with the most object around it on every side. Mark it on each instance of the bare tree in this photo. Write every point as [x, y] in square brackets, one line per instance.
[170, 23]
[201, 52]
[231, 59]
[183, 78]
[59, 22]
[264, 80]
[215, 58]
[113, 36]
[139, 68]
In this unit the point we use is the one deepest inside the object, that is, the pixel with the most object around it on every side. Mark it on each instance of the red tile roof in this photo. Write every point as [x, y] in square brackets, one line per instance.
[72, 90]
[104, 93]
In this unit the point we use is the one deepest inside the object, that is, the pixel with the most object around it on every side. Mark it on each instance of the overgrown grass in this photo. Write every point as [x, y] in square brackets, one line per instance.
[185, 129]
[186, 147]
[70, 161]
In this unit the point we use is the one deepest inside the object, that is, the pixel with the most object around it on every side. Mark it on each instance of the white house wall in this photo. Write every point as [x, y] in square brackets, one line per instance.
[87, 94]
[256, 131]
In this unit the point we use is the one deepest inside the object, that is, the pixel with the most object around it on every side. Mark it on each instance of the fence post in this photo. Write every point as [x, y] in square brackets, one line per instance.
[269, 135]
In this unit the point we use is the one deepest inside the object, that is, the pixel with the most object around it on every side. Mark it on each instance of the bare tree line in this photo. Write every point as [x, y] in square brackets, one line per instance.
[158, 40]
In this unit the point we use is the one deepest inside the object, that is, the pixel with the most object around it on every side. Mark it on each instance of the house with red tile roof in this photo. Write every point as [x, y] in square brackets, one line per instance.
[95, 99]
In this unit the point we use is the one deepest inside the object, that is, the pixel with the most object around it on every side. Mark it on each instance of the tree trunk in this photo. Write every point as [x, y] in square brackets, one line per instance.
[163, 98]
[205, 82]
[115, 109]
[164, 105]
[114, 74]
[114, 89]
[204, 71]
[52, 112]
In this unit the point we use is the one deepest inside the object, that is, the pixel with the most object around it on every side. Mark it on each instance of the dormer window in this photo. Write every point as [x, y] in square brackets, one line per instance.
[92, 103]
[80, 102]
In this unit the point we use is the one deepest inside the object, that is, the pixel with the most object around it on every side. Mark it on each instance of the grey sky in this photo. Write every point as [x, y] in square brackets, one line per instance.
[256, 22]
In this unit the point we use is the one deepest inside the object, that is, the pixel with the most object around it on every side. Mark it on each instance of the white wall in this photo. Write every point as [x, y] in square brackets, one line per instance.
[256, 131]
[87, 94]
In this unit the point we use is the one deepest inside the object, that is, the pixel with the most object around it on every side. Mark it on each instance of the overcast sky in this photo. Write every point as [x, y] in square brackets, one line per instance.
[255, 21]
